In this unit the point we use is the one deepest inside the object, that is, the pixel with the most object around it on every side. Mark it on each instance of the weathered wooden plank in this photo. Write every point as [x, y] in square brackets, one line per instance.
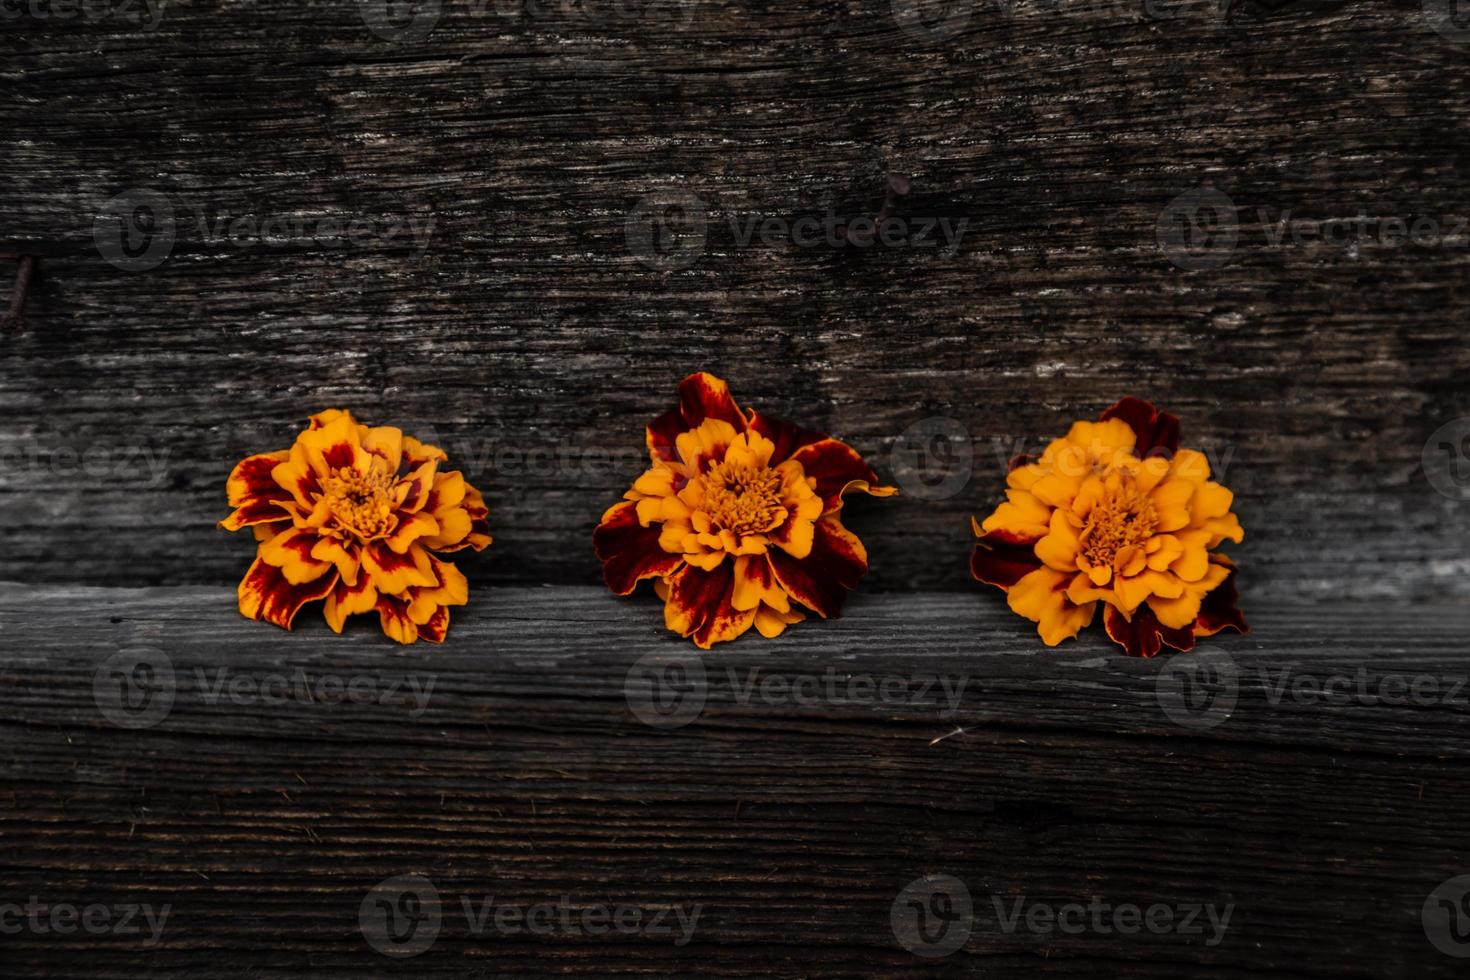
[529, 134]
[793, 821]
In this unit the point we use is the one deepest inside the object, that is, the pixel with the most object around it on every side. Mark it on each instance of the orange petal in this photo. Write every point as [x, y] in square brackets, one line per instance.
[838, 469]
[1042, 598]
[628, 550]
[822, 579]
[700, 607]
[393, 573]
[265, 593]
[349, 600]
[291, 552]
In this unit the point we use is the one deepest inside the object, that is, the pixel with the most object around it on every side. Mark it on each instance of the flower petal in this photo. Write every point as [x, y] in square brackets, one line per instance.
[1001, 558]
[393, 573]
[1157, 433]
[787, 436]
[349, 600]
[412, 527]
[1144, 635]
[822, 579]
[701, 396]
[253, 491]
[264, 593]
[393, 615]
[699, 605]
[838, 469]
[1218, 611]
[291, 552]
[628, 550]
[1041, 596]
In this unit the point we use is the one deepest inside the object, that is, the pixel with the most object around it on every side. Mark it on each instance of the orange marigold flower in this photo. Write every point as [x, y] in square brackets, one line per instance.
[737, 520]
[353, 515]
[1115, 512]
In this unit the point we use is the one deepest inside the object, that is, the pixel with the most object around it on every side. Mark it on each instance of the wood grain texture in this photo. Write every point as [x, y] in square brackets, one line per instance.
[528, 133]
[527, 774]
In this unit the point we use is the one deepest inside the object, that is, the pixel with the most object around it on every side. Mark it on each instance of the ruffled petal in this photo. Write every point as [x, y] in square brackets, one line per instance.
[1001, 558]
[1156, 433]
[1218, 610]
[1041, 597]
[393, 573]
[701, 396]
[700, 605]
[629, 550]
[1144, 635]
[265, 593]
[786, 436]
[348, 600]
[291, 552]
[253, 491]
[838, 469]
[821, 581]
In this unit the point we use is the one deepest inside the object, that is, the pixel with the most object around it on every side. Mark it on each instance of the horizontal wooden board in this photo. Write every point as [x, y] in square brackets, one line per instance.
[793, 812]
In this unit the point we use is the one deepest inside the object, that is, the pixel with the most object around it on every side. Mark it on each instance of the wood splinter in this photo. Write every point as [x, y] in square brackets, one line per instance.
[10, 321]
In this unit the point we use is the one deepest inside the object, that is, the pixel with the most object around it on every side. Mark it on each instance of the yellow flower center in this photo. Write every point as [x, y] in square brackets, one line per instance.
[1122, 517]
[743, 499]
[360, 502]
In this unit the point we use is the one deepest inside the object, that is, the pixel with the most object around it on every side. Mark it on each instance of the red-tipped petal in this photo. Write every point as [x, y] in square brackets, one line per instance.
[1144, 636]
[265, 594]
[787, 436]
[629, 552]
[1002, 559]
[701, 396]
[1156, 432]
[822, 580]
[700, 605]
[1218, 611]
[836, 466]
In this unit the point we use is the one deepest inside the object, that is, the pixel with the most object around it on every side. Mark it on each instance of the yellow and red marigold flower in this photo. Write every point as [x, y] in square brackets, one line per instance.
[353, 515]
[737, 521]
[1115, 513]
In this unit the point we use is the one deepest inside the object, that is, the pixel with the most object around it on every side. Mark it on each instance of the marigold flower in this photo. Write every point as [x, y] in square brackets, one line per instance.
[737, 521]
[353, 515]
[1115, 512]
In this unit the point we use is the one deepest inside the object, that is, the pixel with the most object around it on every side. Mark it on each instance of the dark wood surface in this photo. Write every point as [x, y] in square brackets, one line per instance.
[1059, 776]
[1059, 132]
